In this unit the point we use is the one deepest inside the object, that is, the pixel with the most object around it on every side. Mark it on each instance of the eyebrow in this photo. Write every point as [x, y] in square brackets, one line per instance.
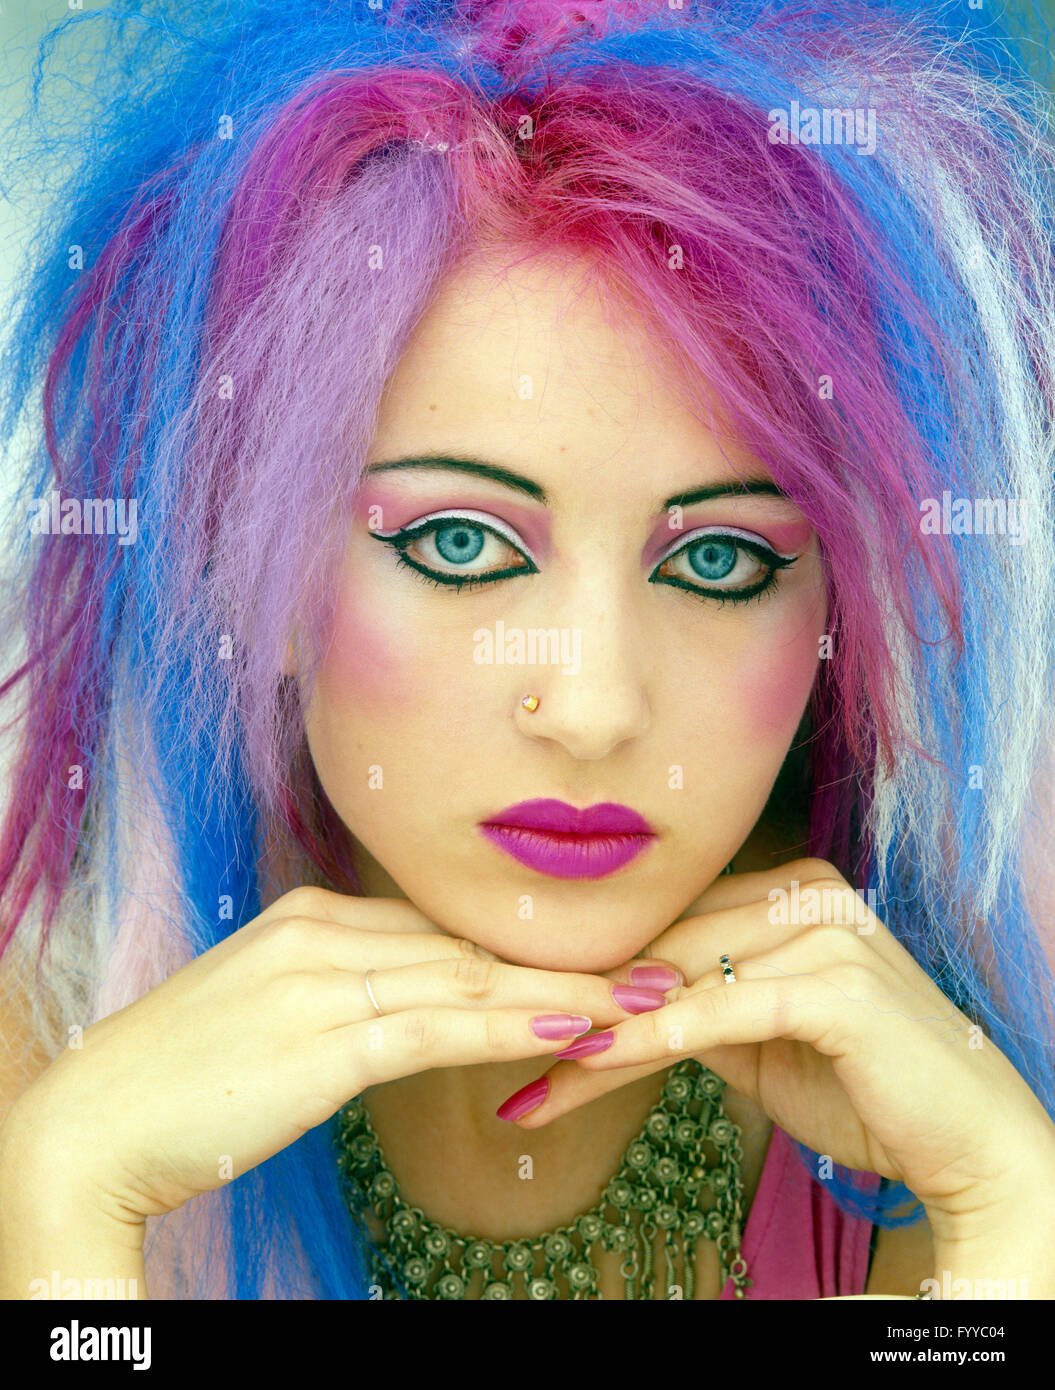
[763, 487]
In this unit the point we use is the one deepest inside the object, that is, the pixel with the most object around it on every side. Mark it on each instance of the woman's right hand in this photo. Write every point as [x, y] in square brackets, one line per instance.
[269, 1033]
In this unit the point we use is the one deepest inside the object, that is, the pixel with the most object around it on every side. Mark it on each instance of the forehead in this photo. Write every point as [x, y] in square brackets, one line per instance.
[547, 343]
[532, 289]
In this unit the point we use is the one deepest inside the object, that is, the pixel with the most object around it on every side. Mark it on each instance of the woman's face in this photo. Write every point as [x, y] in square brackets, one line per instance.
[654, 694]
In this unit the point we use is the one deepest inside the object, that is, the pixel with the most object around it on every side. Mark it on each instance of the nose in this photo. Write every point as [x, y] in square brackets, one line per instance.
[590, 711]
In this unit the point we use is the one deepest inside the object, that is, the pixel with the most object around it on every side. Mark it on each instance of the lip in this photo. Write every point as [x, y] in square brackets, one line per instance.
[565, 841]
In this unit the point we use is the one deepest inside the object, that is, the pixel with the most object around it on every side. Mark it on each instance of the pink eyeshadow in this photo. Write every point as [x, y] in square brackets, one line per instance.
[398, 510]
[786, 537]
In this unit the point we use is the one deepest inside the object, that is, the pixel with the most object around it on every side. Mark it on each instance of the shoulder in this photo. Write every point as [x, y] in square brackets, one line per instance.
[903, 1259]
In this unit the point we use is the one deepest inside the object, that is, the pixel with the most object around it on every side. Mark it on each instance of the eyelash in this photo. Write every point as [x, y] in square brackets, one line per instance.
[401, 541]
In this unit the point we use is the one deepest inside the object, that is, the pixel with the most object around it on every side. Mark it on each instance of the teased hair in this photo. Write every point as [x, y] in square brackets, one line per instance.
[242, 218]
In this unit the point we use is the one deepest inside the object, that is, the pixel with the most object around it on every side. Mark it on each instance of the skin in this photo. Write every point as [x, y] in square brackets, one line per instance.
[683, 708]
[837, 1035]
[264, 1036]
[606, 439]
[400, 690]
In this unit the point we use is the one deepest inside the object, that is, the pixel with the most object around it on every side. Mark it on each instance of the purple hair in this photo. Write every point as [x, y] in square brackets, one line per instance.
[276, 211]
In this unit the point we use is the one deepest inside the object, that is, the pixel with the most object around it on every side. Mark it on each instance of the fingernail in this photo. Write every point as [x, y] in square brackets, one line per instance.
[637, 1001]
[527, 1098]
[586, 1047]
[656, 977]
[560, 1025]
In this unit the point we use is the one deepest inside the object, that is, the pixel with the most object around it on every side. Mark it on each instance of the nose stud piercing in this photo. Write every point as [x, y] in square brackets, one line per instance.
[530, 702]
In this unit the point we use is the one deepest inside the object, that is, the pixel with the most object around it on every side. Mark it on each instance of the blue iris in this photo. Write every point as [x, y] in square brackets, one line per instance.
[459, 543]
[712, 559]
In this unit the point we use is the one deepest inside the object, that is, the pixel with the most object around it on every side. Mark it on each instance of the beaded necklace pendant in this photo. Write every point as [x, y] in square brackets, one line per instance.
[664, 1183]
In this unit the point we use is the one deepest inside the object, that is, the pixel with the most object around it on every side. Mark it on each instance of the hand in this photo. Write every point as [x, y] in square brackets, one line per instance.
[265, 1036]
[836, 1032]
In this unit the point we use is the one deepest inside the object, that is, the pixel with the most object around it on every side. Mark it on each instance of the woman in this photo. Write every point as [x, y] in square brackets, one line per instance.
[544, 734]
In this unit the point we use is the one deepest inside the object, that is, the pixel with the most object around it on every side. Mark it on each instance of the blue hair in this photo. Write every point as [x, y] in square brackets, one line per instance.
[913, 807]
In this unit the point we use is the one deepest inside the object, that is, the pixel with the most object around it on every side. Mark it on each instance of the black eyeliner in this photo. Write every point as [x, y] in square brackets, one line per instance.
[401, 540]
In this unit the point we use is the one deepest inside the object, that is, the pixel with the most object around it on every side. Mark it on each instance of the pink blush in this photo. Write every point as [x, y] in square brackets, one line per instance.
[366, 662]
[773, 686]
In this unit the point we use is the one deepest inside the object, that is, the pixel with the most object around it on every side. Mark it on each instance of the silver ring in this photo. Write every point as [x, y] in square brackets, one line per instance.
[727, 970]
[370, 992]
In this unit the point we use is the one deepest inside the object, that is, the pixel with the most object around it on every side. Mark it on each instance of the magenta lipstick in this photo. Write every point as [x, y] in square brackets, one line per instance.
[565, 841]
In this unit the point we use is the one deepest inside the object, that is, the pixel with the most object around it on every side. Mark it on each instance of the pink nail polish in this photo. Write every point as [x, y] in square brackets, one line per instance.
[659, 977]
[637, 1001]
[560, 1025]
[586, 1047]
[528, 1098]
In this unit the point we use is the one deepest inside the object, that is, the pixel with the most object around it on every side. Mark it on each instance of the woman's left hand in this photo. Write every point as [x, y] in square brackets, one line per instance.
[835, 1031]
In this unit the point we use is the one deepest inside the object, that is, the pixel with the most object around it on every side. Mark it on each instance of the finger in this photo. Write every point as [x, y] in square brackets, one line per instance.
[648, 973]
[390, 915]
[571, 1086]
[730, 891]
[816, 950]
[347, 1060]
[836, 1008]
[299, 943]
[735, 890]
[695, 944]
[468, 983]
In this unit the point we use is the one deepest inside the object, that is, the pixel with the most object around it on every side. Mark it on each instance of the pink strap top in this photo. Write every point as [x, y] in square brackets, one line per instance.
[798, 1243]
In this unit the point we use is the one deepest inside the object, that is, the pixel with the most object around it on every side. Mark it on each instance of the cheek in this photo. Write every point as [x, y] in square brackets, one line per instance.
[368, 668]
[774, 696]
[774, 685]
[391, 663]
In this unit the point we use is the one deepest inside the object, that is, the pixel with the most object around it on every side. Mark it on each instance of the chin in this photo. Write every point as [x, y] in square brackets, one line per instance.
[558, 950]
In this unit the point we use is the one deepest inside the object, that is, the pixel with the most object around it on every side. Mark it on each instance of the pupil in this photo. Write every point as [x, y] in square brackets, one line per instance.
[712, 559]
[459, 543]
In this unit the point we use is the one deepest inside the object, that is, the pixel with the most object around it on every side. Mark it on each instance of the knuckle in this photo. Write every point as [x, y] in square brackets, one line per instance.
[289, 993]
[419, 1032]
[473, 977]
[854, 978]
[812, 869]
[707, 1003]
[473, 949]
[306, 900]
[832, 939]
[830, 886]
[289, 936]
[840, 903]
[654, 1026]
[495, 1032]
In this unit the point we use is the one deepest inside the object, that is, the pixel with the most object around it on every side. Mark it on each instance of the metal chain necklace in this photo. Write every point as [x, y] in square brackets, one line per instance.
[658, 1187]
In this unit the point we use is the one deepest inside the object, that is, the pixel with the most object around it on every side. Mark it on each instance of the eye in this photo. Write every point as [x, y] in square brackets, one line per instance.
[460, 548]
[723, 563]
